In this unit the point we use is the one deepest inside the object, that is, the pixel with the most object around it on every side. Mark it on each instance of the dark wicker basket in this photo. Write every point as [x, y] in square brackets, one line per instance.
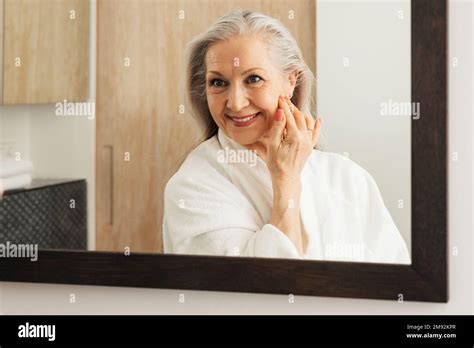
[42, 214]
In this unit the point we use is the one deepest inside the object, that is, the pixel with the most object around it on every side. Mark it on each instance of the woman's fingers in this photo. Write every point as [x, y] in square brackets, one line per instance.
[277, 131]
[292, 127]
[299, 117]
[316, 132]
[307, 122]
[310, 122]
[298, 122]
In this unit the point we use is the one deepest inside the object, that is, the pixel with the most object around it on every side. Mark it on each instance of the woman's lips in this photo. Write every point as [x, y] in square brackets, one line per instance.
[243, 121]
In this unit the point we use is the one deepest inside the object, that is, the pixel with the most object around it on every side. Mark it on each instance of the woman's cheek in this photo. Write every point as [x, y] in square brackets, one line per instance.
[265, 99]
[271, 104]
[214, 112]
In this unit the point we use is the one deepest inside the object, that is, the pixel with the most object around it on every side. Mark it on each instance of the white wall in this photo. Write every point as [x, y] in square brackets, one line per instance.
[363, 60]
[25, 298]
[15, 128]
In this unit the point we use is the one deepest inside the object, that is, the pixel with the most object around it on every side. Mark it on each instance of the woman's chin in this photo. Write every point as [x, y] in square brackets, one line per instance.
[246, 138]
[246, 134]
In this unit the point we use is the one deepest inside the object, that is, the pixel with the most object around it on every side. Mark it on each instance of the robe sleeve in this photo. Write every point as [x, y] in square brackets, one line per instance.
[211, 217]
[384, 243]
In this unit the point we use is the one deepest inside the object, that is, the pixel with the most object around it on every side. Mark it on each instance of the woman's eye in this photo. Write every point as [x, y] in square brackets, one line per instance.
[217, 83]
[254, 79]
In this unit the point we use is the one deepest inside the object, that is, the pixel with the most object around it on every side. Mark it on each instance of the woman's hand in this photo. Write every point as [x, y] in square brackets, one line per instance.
[285, 150]
[292, 139]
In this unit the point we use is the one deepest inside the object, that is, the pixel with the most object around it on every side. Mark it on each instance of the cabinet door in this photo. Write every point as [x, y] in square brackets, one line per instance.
[46, 51]
[140, 133]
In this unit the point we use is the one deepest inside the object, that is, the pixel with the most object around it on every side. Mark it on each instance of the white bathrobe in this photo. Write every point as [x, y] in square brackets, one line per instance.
[215, 207]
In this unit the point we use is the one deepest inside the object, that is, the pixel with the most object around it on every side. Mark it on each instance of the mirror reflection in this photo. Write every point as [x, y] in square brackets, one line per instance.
[228, 128]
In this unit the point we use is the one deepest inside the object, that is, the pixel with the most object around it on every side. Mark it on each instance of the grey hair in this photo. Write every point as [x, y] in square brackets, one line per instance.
[245, 22]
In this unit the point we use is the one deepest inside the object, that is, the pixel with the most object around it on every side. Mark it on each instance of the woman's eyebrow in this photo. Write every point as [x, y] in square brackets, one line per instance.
[245, 72]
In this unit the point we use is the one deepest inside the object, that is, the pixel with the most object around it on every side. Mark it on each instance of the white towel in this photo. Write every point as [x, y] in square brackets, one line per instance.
[15, 182]
[10, 167]
[213, 207]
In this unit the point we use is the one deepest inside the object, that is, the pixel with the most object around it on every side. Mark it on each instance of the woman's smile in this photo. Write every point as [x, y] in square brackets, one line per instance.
[243, 121]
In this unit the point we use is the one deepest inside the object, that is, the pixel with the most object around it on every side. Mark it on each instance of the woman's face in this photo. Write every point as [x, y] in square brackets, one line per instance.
[243, 86]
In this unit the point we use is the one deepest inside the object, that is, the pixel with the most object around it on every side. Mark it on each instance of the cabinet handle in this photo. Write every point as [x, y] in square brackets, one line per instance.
[108, 193]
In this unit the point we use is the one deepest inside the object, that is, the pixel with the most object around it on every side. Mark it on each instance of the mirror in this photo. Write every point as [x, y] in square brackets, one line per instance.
[165, 156]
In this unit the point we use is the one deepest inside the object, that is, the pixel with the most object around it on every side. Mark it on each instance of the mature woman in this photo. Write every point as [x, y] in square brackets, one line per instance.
[256, 186]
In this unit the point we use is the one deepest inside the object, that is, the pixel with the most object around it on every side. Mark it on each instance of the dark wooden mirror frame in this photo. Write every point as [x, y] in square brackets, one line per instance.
[426, 279]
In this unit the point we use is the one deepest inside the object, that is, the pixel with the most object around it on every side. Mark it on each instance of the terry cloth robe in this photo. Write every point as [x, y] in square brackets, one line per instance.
[223, 208]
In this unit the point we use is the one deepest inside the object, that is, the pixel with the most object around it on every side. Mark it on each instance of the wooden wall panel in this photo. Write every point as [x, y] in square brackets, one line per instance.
[138, 105]
[53, 48]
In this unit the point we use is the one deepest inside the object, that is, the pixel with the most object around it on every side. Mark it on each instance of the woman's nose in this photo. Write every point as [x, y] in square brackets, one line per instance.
[237, 99]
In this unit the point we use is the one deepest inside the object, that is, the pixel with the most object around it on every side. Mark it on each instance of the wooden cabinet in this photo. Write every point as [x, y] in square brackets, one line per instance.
[141, 135]
[45, 51]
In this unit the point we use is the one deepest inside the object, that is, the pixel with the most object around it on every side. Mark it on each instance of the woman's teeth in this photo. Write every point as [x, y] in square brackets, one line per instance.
[244, 119]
